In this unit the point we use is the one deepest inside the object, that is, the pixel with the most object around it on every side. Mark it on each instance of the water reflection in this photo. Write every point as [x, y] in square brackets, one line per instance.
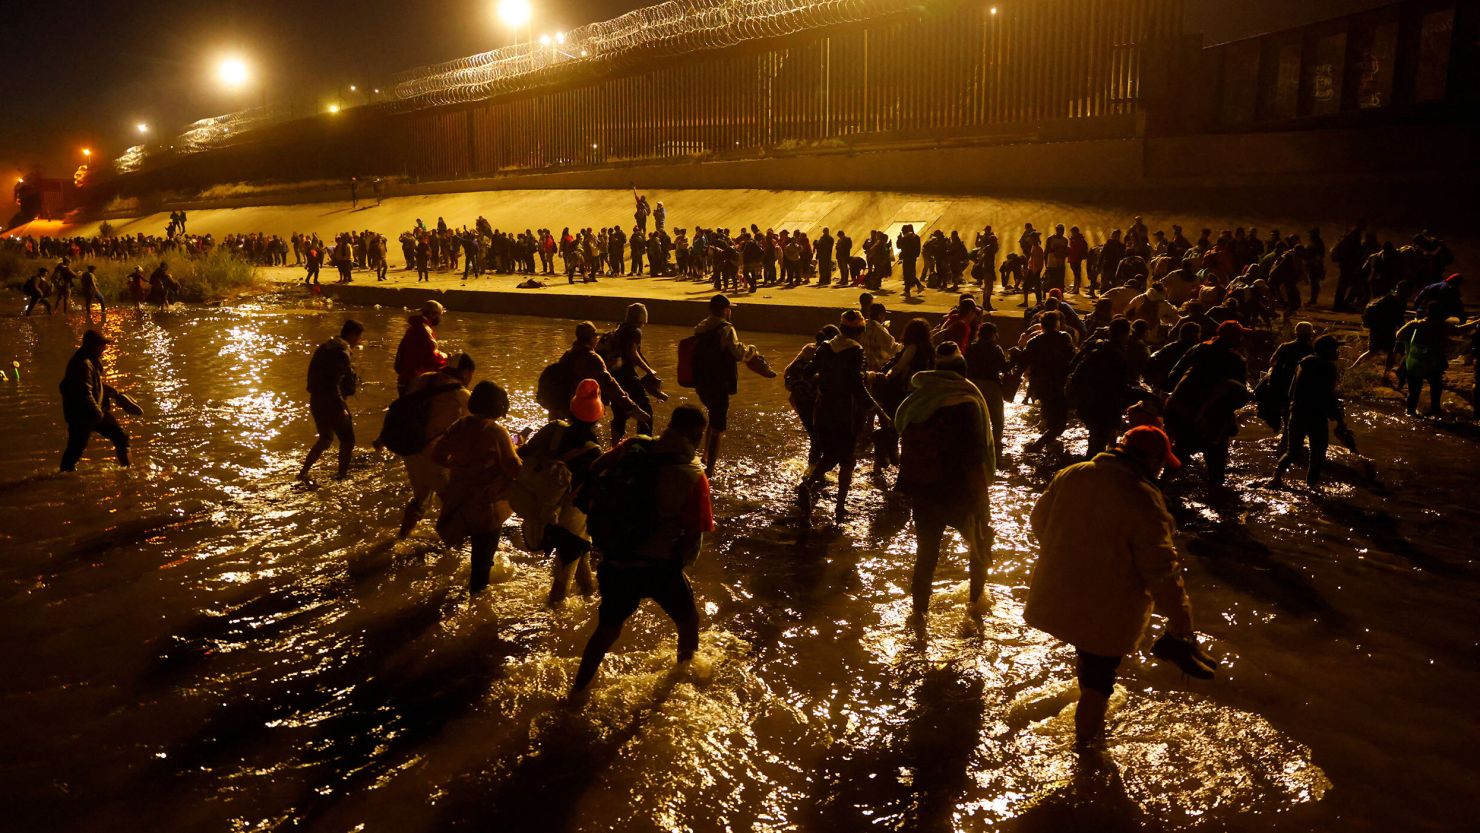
[232, 652]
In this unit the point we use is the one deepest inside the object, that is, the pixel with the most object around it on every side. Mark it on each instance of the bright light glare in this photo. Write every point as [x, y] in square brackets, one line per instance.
[544, 40]
[142, 127]
[994, 10]
[87, 151]
[333, 108]
[514, 13]
[353, 88]
[233, 72]
[560, 37]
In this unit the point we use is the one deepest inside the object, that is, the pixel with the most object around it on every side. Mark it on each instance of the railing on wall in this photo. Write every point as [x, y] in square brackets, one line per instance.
[857, 72]
[1386, 63]
[961, 69]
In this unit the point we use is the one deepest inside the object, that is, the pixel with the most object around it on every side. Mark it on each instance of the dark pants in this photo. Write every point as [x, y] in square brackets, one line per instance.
[1415, 390]
[485, 544]
[332, 420]
[622, 591]
[930, 526]
[1078, 270]
[638, 394]
[313, 274]
[824, 271]
[81, 430]
[1053, 278]
[1097, 672]
[1298, 430]
[907, 266]
[1054, 408]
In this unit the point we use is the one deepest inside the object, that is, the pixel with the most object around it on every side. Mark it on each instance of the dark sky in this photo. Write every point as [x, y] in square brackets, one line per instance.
[75, 74]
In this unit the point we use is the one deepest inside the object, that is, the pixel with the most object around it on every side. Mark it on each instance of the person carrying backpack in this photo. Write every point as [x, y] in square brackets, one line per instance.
[717, 353]
[559, 381]
[436, 400]
[563, 451]
[650, 508]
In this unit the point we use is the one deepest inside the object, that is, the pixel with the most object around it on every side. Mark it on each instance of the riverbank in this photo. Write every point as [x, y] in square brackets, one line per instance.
[798, 310]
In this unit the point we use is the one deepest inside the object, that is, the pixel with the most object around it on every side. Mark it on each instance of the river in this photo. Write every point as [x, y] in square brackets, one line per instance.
[198, 644]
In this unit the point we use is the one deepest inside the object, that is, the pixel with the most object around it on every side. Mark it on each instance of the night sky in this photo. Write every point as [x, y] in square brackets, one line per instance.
[83, 74]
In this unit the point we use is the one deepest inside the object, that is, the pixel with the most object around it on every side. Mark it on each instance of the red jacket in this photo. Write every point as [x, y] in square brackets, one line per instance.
[418, 352]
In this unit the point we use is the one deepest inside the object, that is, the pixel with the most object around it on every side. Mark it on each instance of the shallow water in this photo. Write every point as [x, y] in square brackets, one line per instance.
[197, 644]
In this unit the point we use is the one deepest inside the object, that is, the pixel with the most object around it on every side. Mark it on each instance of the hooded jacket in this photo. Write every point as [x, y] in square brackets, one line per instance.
[1095, 584]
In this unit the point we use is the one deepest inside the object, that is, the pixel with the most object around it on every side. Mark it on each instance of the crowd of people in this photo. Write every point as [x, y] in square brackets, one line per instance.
[1156, 378]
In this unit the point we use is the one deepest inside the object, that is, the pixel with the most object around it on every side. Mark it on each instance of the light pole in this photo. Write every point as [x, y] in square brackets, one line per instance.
[517, 15]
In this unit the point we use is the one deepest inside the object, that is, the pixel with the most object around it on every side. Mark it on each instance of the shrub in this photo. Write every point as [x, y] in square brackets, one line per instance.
[215, 277]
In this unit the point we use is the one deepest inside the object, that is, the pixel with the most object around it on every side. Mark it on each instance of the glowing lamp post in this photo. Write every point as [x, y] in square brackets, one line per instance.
[517, 15]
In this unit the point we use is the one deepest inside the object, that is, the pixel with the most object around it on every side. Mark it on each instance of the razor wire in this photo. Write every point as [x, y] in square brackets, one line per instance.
[671, 28]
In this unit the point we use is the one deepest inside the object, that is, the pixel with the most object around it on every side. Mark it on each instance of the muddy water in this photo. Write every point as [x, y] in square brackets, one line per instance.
[196, 644]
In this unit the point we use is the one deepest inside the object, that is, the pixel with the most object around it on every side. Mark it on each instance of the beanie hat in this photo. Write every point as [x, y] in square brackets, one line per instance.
[948, 357]
[586, 404]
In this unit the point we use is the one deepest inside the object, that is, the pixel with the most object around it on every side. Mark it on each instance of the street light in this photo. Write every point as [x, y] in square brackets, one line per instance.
[333, 108]
[233, 72]
[516, 14]
[87, 152]
[142, 128]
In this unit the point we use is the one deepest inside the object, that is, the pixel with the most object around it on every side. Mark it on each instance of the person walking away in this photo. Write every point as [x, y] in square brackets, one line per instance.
[916, 353]
[1382, 318]
[1046, 358]
[843, 403]
[1425, 343]
[946, 464]
[654, 498]
[62, 280]
[87, 402]
[417, 353]
[482, 464]
[1272, 394]
[1099, 386]
[573, 444]
[1313, 401]
[331, 379]
[801, 387]
[38, 291]
[1094, 586]
[718, 352]
[1209, 385]
[986, 363]
[445, 394]
[91, 293]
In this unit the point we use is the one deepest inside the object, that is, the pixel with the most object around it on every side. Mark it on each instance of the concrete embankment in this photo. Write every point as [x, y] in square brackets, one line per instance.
[800, 311]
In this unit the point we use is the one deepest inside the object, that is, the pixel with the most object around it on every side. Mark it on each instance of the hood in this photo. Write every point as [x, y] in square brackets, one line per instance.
[713, 322]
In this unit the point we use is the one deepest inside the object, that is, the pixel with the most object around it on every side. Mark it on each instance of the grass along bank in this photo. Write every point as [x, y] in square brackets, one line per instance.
[215, 277]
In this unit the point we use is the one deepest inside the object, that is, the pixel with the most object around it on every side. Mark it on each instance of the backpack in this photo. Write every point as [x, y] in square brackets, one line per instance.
[686, 349]
[620, 499]
[606, 348]
[1372, 313]
[404, 431]
[556, 385]
[539, 490]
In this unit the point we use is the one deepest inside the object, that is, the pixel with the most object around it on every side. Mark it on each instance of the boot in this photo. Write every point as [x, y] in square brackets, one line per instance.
[409, 517]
